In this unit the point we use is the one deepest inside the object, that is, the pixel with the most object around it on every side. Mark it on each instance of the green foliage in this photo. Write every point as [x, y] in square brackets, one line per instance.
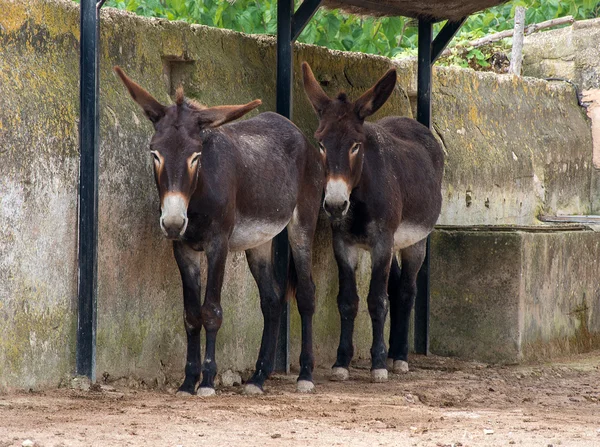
[390, 36]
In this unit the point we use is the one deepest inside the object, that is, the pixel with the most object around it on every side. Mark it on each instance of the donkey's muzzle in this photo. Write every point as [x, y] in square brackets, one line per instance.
[173, 219]
[337, 196]
[173, 226]
[336, 209]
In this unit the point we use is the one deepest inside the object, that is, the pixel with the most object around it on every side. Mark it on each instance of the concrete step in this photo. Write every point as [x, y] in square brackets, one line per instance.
[509, 294]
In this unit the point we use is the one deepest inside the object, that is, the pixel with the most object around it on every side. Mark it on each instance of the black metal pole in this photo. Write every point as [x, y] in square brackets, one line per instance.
[285, 11]
[88, 190]
[424, 73]
[289, 27]
[424, 117]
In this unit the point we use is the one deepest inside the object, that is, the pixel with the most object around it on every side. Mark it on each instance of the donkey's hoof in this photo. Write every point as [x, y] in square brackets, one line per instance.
[379, 375]
[252, 390]
[305, 386]
[183, 394]
[400, 367]
[339, 374]
[206, 392]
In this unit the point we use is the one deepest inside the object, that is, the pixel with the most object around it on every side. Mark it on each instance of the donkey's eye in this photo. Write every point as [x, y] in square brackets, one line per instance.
[155, 156]
[354, 149]
[195, 159]
[321, 148]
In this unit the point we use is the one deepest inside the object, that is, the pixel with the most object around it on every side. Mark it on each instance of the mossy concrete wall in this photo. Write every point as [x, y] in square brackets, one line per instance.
[515, 147]
[513, 295]
[572, 53]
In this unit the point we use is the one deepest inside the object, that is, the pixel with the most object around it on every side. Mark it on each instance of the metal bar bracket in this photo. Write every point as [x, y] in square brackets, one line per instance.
[444, 37]
[303, 14]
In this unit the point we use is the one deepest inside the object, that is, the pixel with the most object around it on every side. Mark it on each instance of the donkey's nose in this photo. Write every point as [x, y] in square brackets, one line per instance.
[173, 225]
[336, 209]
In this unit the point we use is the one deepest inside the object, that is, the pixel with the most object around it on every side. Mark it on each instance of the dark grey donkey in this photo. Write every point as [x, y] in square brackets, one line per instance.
[383, 194]
[232, 187]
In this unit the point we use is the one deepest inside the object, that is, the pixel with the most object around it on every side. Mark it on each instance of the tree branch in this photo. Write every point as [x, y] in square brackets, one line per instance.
[508, 33]
[516, 56]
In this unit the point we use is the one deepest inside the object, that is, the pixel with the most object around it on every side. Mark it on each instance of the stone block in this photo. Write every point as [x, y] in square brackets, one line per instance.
[506, 295]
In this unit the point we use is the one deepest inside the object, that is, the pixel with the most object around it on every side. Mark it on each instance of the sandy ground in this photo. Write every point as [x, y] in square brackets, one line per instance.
[441, 402]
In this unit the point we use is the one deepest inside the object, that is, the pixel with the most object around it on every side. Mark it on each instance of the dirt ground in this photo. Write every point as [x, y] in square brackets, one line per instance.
[441, 402]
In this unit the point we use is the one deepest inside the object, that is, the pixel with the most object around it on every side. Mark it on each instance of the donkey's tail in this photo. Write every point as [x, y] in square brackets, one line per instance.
[292, 280]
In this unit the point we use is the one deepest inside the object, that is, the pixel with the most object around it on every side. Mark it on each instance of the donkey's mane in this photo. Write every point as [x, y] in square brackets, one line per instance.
[180, 100]
[342, 96]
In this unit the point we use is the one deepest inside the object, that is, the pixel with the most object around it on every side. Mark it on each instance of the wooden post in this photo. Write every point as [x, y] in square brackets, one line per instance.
[516, 55]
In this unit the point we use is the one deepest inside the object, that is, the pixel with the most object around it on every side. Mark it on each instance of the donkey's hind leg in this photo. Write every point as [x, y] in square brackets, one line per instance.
[377, 302]
[403, 290]
[393, 293]
[260, 261]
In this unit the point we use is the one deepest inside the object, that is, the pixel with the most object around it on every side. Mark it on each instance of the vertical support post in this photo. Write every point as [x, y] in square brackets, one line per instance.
[285, 11]
[88, 190]
[421, 328]
[424, 73]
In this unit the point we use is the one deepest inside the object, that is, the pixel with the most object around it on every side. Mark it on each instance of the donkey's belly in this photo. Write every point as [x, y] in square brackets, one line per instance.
[408, 234]
[252, 232]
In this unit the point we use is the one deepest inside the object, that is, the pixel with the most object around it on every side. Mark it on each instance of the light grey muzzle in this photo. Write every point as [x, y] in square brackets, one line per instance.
[173, 219]
[337, 198]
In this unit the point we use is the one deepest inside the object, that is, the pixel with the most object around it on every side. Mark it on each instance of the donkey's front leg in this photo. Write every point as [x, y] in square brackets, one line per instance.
[212, 313]
[381, 258]
[260, 261]
[346, 256]
[188, 261]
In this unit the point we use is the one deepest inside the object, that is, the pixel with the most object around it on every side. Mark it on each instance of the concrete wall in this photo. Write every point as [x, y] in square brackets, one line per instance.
[515, 147]
[572, 53]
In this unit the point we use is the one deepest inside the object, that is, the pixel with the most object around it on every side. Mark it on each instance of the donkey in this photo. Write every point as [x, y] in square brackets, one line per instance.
[233, 187]
[383, 194]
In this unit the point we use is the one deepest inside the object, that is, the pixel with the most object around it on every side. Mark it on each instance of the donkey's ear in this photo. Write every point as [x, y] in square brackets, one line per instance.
[317, 97]
[376, 96]
[153, 109]
[216, 116]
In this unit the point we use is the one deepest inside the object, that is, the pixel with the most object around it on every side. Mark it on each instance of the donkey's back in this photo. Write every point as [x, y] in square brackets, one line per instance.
[273, 166]
[268, 138]
[417, 137]
[405, 165]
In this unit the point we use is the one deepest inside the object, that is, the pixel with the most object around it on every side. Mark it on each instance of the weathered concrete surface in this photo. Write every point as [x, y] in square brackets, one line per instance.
[515, 149]
[524, 145]
[572, 53]
[513, 295]
[38, 197]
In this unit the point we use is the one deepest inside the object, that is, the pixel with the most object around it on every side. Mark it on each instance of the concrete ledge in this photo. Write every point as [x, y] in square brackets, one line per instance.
[512, 294]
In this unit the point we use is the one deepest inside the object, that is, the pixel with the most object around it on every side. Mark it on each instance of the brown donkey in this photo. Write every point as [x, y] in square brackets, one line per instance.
[383, 194]
[232, 187]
